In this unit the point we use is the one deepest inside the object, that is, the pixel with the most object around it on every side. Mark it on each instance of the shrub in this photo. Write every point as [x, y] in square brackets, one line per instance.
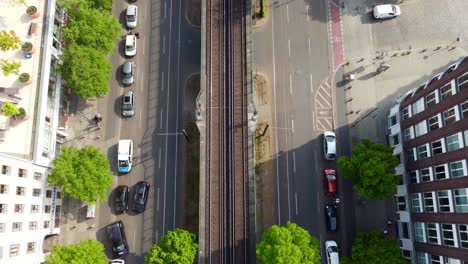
[24, 77]
[27, 46]
[9, 109]
[10, 66]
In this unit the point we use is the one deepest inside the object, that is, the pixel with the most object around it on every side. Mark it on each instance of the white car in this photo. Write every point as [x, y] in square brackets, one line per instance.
[329, 145]
[386, 11]
[331, 249]
[131, 17]
[130, 45]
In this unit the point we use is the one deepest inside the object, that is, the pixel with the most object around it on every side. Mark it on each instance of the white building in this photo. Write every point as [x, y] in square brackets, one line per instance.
[29, 210]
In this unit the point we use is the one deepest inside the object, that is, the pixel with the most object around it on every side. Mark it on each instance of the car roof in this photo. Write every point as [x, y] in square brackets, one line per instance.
[127, 66]
[384, 9]
[129, 39]
[329, 133]
[332, 185]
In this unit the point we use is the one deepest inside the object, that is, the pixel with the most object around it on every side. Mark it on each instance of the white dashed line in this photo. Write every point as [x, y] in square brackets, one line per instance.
[159, 162]
[287, 13]
[290, 83]
[297, 208]
[294, 161]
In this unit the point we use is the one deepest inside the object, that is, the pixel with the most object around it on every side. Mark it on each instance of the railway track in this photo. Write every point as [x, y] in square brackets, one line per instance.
[226, 213]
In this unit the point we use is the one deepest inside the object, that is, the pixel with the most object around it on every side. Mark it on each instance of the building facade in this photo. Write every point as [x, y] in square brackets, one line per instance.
[428, 128]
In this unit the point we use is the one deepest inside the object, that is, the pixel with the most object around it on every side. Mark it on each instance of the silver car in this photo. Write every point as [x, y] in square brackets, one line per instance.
[128, 104]
[128, 73]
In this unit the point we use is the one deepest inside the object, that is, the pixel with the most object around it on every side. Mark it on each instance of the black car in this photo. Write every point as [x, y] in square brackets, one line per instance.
[121, 199]
[330, 213]
[117, 237]
[141, 196]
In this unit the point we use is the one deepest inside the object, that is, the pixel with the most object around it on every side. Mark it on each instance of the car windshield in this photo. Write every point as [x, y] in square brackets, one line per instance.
[330, 138]
[129, 47]
[127, 106]
[123, 163]
[332, 249]
[118, 247]
[331, 177]
[131, 18]
[127, 74]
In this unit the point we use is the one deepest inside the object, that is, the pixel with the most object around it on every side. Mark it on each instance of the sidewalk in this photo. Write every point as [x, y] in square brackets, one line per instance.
[366, 101]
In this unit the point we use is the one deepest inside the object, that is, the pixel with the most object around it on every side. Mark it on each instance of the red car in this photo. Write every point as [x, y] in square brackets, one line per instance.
[329, 181]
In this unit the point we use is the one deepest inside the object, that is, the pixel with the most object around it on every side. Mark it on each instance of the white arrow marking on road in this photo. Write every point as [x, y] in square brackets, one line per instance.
[295, 197]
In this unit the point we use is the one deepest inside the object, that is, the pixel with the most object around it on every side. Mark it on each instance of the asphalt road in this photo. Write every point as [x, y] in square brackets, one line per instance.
[292, 50]
[168, 51]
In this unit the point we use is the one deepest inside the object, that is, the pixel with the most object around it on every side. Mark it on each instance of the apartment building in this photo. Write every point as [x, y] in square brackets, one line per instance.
[428, 128]
[29, 209]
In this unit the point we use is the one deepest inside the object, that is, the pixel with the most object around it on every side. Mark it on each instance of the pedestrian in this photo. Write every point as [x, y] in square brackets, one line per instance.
[389, 223]
[97, 118]
[137, 35]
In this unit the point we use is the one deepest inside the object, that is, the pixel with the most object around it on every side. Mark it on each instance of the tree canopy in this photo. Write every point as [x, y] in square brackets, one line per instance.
[85, 252]
[288, 244]
[88, 76]
[84, 174]
[178, 246]
[374, 247]
[372, 167]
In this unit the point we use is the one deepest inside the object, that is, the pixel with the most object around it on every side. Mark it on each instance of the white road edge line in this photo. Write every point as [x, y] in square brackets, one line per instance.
[290, 83]
[297, 208]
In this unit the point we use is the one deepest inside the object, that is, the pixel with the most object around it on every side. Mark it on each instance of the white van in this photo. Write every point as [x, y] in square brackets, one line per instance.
[125, 155]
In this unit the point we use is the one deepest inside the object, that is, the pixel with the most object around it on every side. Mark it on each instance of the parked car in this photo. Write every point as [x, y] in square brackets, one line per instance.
[131, 17]
[386, 11]
[331, 217]
[329, 181]
[128, 104]
[331, 249]
[141, 196]
[128, 73]
[121, 199]
[329, 145]
[130, 45]
[118, 239]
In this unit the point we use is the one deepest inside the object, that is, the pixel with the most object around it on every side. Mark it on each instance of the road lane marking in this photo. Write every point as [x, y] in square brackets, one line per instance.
[313, 121]
[159, 162]
[297, 208]
[140, 119]
[315, 157]
[165, 7]
[289, 47]
[161, 118]
[311, 86]
[287, 13]
[290, 83]
[162, 81]
[164, 44]
[318, 202]
[309, 48]
[294, 161]
[157, 200]
[307, 12]
[292, 126]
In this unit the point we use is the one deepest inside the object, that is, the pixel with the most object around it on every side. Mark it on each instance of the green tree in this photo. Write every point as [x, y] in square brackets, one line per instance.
[101, 4]
[9, 40]
[84, 174]
[85, 252]
[288, 244]
[87, 76]
[178, 246]
[10, 66]
[372, 167]
[374, 247]
[9, 109]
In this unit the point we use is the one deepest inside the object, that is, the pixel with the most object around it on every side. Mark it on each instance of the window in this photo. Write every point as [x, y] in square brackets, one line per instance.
[2, 228]
[394, 140]
[449, 116]
[448, 235]
[431, 99]
[46, 224]
[37, 176]
[47, 209]
[19, 190]
[58, 195]
[3, 208]
[422, 152]
[401, 203]
[405, 114]
[34, 209]
[457, 169]
[19, 208]
[419, 232]
[464, 109]
[446, 91]
[437, 147]
[428, 202]
[444, 201]
[398, 156]
[3, 189]
[410, 155]
[6, 170]
[408, 133]
[413, 176]
[433, 123]
[32, 225]
[440, 172]
[435, 259]
[421, 257]
[454, 142]
[420, 129]
[22, 173]
[36, 192]
[399, 180]
[461, 201]
[17, 226]
[31, 246]
[418, 106]
[425, 175]
[14, 250]
[416, 203]
[462, 82]
[463, 235]
[448, 260]
[48, 193]
[406, 254]
[392, 120]
[432, 233]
